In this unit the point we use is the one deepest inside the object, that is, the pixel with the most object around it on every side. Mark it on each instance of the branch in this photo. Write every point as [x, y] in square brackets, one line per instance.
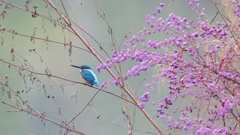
[42, 117]
[99, 59]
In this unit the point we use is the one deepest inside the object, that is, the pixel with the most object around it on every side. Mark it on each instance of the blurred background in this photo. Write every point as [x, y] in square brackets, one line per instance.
[61, 100]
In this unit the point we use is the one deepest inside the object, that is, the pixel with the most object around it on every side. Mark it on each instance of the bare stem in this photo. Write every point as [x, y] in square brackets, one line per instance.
[99, 59]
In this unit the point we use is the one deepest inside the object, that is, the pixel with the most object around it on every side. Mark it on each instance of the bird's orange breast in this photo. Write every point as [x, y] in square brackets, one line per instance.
[84, 81]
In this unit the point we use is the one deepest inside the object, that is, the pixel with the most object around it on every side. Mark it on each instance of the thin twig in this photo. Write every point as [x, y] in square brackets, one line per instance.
[110, 72]
[83, 108]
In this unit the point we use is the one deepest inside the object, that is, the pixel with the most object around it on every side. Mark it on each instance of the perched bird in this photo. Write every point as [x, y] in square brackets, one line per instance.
[87, 75]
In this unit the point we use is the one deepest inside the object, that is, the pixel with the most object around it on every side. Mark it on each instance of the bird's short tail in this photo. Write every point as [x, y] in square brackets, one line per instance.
[96, 83]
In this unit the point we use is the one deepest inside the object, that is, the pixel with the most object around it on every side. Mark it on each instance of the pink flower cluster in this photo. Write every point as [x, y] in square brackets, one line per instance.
[201, 66]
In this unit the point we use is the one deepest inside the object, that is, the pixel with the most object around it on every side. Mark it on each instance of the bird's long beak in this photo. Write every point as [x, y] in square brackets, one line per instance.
[75, 66]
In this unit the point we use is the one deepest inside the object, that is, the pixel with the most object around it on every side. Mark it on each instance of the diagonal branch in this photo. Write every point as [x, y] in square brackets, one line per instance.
[99, 59]
[83, 107]
[42, 117]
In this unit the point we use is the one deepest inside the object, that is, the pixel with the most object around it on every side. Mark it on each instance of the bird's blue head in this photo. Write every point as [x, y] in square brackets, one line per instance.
[85, 67]
[82, 67]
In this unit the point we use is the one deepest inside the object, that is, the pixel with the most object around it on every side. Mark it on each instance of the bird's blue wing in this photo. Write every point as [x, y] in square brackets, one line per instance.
[88, 76]
[95, 78]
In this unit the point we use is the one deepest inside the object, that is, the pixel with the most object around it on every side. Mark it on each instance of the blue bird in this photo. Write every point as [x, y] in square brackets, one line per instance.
[87, 75]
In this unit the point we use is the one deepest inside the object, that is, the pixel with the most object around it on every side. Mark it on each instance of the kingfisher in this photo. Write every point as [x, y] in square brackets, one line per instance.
[87, 75]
